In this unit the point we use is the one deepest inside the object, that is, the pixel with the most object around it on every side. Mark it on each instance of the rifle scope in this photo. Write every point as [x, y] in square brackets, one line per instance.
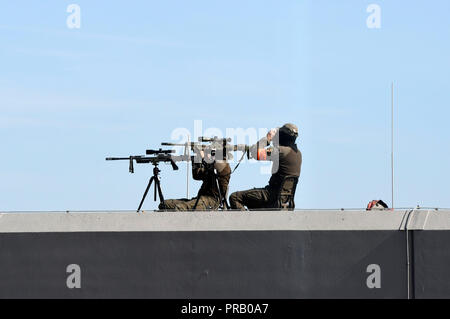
[160, 151]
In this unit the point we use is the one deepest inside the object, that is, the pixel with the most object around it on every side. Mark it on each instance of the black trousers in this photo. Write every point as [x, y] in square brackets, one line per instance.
[252, 199]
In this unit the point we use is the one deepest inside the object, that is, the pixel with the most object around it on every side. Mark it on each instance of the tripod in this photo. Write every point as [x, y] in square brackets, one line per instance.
[154, 178]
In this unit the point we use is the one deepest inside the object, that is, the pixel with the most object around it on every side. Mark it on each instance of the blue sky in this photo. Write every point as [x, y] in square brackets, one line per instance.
[137, 70]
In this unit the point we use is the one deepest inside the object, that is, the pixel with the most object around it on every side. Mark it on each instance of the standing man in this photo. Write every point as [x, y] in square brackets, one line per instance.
[287, 161]
[215, 174]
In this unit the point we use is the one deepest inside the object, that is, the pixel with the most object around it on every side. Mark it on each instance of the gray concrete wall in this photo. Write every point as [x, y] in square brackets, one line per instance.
[304, 254]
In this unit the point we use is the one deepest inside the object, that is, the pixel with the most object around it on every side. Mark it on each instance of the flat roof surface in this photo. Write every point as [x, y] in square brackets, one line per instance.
[305, 220]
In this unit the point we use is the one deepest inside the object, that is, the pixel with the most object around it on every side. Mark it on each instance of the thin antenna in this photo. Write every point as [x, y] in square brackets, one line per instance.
[392, 147]
[186, 152]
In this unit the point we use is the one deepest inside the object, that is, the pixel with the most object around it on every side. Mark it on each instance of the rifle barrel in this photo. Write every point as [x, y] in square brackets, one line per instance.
[190, 144]
[117, 158]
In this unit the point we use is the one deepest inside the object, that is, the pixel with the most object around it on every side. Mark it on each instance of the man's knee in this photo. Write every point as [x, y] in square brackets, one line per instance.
[236, 200]
[167, 204]
[207, 203]
[254, 198]
[174, 204]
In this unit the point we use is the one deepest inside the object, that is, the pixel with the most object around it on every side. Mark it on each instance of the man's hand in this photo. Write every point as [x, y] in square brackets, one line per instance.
[271, 134]
[207, 156]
